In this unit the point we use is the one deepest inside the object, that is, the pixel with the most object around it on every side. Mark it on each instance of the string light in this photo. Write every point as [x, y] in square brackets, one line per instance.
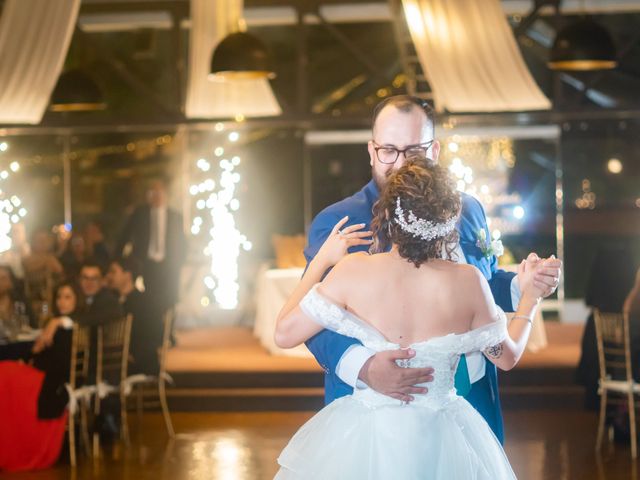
[588, 198]
[518, 212]
[225, 240]
[614, 165]
[11, 211]
[480, 169]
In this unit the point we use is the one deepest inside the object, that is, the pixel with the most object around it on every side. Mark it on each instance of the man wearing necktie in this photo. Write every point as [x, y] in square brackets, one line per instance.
[157, 240]
[404, 126]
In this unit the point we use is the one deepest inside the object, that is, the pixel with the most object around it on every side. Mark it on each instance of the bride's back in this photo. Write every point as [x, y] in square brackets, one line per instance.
[406, 304]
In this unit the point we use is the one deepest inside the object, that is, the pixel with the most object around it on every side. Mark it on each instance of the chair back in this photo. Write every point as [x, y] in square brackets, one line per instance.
[80, 351]
[168, 320]
[614, 346]
[113, 349]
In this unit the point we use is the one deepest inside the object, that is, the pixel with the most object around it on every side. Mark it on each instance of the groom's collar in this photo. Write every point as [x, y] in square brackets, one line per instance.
[372, 189]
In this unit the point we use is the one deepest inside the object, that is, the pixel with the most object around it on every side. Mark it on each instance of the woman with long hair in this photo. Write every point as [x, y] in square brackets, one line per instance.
[33, 402]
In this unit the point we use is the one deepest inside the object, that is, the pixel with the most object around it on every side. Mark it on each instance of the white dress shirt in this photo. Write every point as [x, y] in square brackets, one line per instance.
[157, 234]
[354, 358]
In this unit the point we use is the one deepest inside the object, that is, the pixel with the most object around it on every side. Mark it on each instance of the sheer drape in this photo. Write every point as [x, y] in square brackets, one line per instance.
[470, 56]
[34, 39]
[211, 21]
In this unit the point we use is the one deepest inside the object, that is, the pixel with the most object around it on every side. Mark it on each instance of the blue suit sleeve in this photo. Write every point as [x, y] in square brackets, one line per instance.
[500, 281]
[327, 347]
[500, 284]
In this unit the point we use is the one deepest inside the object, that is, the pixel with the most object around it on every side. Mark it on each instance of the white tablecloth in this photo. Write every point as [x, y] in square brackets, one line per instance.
[273, 288]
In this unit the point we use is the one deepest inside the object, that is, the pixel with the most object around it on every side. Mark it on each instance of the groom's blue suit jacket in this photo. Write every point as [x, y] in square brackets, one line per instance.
[328, 347]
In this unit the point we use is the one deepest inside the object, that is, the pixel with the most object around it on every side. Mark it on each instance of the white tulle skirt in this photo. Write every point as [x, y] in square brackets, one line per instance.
[350, 440]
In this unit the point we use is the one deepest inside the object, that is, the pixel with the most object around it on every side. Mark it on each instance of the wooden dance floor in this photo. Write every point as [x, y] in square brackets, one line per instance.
[541, 445]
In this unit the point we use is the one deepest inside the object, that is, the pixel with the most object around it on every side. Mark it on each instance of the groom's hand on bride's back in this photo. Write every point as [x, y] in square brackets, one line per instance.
[382, 373]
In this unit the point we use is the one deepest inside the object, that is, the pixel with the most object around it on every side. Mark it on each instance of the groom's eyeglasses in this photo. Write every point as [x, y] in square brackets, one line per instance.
[389, 155]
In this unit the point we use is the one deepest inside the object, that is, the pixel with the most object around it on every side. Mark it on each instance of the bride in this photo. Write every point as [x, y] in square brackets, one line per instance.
[413, 296]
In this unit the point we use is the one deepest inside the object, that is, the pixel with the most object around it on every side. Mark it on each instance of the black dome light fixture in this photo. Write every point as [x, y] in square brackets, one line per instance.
[583, 46]
[240, 56]
[76, 92]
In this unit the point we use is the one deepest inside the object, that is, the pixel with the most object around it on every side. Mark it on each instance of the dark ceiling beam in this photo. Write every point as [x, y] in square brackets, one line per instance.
[111, 6]
[533, 15]
[100, 6]
[312, 122]
[123, 70]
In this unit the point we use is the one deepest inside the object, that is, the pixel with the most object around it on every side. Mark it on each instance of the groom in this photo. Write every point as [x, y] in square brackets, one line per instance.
[404, 126]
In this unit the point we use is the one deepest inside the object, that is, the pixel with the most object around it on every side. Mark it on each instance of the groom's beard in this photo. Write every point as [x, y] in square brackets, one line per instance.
[380, 179]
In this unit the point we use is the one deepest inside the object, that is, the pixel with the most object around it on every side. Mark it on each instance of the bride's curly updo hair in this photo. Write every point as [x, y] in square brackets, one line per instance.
[426, 189]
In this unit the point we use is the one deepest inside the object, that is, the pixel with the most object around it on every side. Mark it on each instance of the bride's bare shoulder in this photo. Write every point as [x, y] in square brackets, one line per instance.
[469, 278]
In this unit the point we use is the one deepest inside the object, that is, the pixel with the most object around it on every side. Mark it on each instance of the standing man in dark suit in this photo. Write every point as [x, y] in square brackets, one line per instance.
[158, 244]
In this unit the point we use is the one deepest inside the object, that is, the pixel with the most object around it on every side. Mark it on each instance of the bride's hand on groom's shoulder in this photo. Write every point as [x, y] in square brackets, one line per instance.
[337, 244]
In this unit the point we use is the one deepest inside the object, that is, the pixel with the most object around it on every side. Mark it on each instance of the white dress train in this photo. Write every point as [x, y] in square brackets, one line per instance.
[367, 435]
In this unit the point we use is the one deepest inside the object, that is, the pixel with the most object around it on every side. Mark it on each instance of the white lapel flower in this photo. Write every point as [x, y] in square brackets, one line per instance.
[487, 247]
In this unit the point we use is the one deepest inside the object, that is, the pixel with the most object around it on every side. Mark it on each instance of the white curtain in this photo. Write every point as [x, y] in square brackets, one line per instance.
[34, 39]
[211, 21]
[470, 56]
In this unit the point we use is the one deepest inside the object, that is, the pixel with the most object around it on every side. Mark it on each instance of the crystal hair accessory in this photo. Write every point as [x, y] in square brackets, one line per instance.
[421, 228]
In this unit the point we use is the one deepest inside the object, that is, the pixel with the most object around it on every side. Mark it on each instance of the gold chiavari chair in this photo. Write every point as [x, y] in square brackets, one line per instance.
[146, 397]
[38, 287]
[79, 371]
[111, 365]
[616, 374]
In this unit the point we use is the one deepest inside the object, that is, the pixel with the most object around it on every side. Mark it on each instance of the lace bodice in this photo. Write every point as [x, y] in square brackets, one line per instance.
[440, 353]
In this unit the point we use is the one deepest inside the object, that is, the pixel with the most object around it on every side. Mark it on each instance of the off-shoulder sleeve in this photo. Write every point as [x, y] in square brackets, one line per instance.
[481, 338]
[323, 311]
[332, 317]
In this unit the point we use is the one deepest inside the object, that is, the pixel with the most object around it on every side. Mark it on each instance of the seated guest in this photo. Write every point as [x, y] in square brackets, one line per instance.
[146, 329]
[19, 249]
[33, 402]
[41, 261]
[74, 255]
[12, 303]
[100, 304]
[94, 242]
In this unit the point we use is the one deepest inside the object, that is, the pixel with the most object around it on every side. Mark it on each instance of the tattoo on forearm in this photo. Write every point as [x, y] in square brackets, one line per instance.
[495, 351]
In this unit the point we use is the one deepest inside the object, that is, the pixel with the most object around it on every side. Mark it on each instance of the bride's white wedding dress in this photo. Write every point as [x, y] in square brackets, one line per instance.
[370, 436]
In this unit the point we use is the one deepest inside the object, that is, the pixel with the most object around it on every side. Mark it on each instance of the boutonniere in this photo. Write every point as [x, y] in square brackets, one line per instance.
[488, 247]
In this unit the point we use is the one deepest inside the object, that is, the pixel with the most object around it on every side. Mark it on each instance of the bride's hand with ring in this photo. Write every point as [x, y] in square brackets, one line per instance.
[340, 240]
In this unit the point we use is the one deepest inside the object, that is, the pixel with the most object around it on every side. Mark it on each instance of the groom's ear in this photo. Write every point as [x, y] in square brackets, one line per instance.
[435, 151]
[372, 152]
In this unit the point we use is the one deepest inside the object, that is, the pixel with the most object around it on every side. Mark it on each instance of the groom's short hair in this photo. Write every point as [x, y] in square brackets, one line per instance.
[405, 103]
